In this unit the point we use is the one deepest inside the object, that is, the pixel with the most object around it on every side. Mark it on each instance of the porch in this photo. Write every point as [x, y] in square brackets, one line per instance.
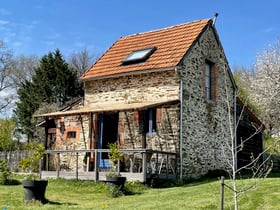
[136, 164]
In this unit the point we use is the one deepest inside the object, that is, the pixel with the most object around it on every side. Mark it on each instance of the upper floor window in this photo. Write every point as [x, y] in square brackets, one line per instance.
[209, 81]
[208, 76]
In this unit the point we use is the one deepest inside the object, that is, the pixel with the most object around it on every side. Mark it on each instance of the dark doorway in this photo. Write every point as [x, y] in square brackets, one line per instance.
[108, 133]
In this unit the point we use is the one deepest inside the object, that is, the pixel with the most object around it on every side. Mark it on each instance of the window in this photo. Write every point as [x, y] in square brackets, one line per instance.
[138, 55]
[208, 92]
[150, 122]
[210, 75]
[71, 134]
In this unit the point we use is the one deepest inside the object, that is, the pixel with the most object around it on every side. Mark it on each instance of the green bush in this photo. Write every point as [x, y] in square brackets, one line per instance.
[134, 187]
[5, 173]
[31, 163]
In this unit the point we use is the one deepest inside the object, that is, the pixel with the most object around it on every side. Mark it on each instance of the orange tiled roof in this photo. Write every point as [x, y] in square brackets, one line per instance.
[172, 43]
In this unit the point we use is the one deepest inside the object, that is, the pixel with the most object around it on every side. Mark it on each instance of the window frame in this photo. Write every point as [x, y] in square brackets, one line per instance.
[71, 135]
[138, 56]
[209, 81]
[150, 125]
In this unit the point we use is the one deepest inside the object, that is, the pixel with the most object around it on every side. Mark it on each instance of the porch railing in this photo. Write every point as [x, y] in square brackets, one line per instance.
[136, 164]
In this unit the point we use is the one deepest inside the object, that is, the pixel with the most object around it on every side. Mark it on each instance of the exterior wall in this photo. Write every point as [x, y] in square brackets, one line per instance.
[206, 124]
[64, 142]
[164, 139]
[139, 88]
[131, 89]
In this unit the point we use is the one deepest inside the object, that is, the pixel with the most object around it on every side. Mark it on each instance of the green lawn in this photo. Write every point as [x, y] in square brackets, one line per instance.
[66, 194]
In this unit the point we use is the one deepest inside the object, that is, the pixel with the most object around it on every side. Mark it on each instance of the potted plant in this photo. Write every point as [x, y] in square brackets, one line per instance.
[34, 188]
[114, 177]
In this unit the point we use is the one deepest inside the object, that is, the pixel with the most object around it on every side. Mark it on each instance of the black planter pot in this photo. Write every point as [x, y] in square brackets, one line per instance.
[118, 181]
[35, 190]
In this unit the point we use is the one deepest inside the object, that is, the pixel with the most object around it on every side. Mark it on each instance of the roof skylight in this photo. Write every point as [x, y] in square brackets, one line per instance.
[139, 55]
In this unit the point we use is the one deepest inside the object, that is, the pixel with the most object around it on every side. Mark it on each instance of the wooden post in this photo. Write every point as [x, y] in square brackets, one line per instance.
[118, 169]
[40, 167]
[144, 165]
[58, 165]
[222, 192]
[77, 160]
[96, 165]
[167, 165]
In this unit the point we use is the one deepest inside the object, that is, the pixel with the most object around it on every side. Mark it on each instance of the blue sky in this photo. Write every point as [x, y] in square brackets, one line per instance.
[36, 27]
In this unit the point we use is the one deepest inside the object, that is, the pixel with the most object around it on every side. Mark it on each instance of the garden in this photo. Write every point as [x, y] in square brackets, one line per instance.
[199, 194]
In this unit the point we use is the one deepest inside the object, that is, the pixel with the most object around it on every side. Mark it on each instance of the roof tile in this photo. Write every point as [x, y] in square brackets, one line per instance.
[172, 43]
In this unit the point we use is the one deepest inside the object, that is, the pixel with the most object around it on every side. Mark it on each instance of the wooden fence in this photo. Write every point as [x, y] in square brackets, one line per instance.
[13, 158]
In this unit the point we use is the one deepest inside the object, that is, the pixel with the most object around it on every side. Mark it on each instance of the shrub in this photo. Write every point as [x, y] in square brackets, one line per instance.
[216, 173]
[115, 191]
[31, 163]
[5, 173]
[134, 187]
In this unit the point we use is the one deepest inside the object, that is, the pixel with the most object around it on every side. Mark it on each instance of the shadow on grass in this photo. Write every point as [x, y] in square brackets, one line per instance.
[13, 182]
[47, 201]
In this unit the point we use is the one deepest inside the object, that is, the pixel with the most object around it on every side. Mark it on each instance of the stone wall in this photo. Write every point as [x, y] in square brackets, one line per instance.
[164, 139]
[64, 141]
[206, 124]
[134, 88]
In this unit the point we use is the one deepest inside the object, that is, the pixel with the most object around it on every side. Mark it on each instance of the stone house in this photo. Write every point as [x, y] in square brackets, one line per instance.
[168, 90]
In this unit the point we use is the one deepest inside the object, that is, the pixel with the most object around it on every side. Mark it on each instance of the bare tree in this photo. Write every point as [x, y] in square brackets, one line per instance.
[81, 61]
[6, 84]
[23, 69]
[258, 165]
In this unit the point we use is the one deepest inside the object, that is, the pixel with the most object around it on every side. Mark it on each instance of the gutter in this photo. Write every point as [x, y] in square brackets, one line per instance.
[181, 124]
[235, 128]
[181, 129]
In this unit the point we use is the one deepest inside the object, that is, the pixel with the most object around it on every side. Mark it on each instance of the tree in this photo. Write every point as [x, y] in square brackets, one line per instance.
[256, 166]
[243, 78]
[6, 84]
[23, 69]
[81, 61]
[52, 83]
[6, 134]
[266, 87]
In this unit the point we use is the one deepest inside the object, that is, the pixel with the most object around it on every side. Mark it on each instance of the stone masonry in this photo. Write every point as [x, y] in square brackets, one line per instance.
[206, 123]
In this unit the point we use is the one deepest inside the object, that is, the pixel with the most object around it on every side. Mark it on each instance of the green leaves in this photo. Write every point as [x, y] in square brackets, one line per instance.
[53, 83]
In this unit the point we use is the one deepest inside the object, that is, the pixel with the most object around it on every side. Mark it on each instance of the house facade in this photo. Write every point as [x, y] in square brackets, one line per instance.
[168, 90]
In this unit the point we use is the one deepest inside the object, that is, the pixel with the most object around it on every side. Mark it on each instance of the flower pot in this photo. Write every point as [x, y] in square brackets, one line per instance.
[35, 190]
[118, 181]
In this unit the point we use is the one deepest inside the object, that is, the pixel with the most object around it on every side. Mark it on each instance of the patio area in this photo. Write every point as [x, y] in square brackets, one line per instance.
[135, 165]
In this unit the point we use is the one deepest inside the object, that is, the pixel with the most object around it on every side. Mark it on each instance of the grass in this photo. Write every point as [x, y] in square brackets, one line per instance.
[72, 194]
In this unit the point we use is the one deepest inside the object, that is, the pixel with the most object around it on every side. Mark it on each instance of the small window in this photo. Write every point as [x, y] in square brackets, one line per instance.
[208, 92]
[150, 123]
[71, 134]
[139, 55]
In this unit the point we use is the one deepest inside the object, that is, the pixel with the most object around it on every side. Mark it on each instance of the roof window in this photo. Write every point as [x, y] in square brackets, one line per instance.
[137, 56]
